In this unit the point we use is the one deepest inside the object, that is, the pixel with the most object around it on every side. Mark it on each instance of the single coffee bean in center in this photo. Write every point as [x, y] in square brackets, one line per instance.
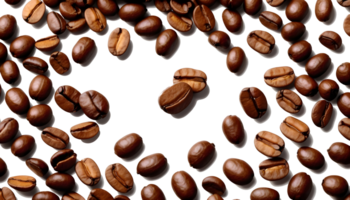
[274, 169]
[254, 102]
[289, 101]
[269, 144]
[238, 171]
[294, 129]
[176, 98]
[261, 41]
[119, 178]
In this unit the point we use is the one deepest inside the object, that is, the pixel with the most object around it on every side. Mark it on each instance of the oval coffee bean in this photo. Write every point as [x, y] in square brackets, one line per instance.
[76, 25]
[88, 172]
[294, 129]
[39, 167]
[33, 11]
[176, 98]
[335, 186]
[254, 102]
[306, 85]
[261, 41]
[48, 43]
[94, 104]
[119, 178]
[99, 194]
[178, 22]
[323, 10]
[203, 18]
[344, 104]
[279, 76]
[164, 41]
[118, 41]
[60, 181]
[343, 127]
[149, 26]
[331, 40]
[310, 158]
[232, 20]
[95, 19]
[318, 65]
[289, 101]
[346, 24]
[45, 196]
[162, 5]
[271, 20]
[72, 196]
[3, 53]
[85, 130]
[152, 192]
[183, 185]
[293, 31]
[219, 39]
[8, 25]
[7, 194]
[274, 169]
[22, 183]
[322, 113]
[9, 71]
[35, 65]
[181, 7]
[67, 98]
[22, 145]
[8, 130]
[196, 79]
[39, 115]
[297, 10]
[17, 101]
[234, 59]
[214, 185]
[128, 145]
[3, 169]
[55, 137]
[40, 88]
[300, 51]
[108, 7]
[152, 165]
[63, 160]
[252, 7]
[269, 144]
[300, 186]
[56, 23]
[238, 171]
[59, 62]
[200, 154]
[264, 193]
[132, 12]
[339, 152]
[22, 46]
[328, 89]
[82, 49]
[69, 11]
[233, 129]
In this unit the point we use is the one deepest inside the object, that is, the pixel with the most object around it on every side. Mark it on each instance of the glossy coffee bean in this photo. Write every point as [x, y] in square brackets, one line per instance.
[310, 158]
[176, 98]
[35, 65]
[22, 145]
[8, 26]
[33, 11]
[72, 196]
[60, 181]
[3, 168]
[164, 41]
[252, 7]
[343, 73]
[47, 43]
[99, 194]
[294, 129]
[264, 193]
[152, 192]
[39, 115]
[22, 183]
[67, 98]
[323, 10]
[181, 7]
[300, 51]
[215, 197]
[331, 40]
[94, 104]
[346, 24]
[38, 166]
[178, 22]
[119, 178]
[322, 113]
[254, 102]
[219, 39]
[3, 53]
[318, 65]
[7, 194]
[63, 160]
[108, 7]
[183, 185]
[200, 154]
[59, 62]
[40, 88]
[299, 186]
[69, 11]
[76, 25]
[9, 71]
[344, 3]
[55, 137]
[279, 76]
[293, 31]
[232, 20]
[203, 18]
[328, 89]
[152, 165]
[56, 23]
[271, 20]
[162, 5]
[343, 127]
[95, 19]
[261, 41]
[339, 152]
[335, 186]
[82, 49]
[118, 41]
[45, 196]
[235, 58]
[149, 26]
[85, 130]
[344, 104]
[289, 101]
[128, 145]
[233, 129]
[274, 169]
[22, 46]
[306, 85]
[231, 4]
[269, 144]
[8, 129]
[17, 101]
[132, 12]
[214, 185]
[238, 171]
[196, 79]
[297, 10]
[88, 172]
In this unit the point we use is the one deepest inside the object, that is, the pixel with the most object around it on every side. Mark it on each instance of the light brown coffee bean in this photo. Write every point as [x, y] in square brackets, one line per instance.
[85, 130]
[232, 20]
[331, 40]
[119, 178]
[8, 129]
[76, 25]
[294, 129]
[7, 194]
[22, 183]
[55, 137]
[322, 113]
[279, 76]
[200, 154]
[63, 160]
[152, 165]
[271, 20]
[48, 43]
[235, 58]
[88, 172]
[33, 11]
[274, 169]
[176, 98]
[59, 62]
[95, 19]
[214, 185]
[39, 167]
[194, 78]
[56, 23]
[289, 101]
[178, 22]
[269, 144]
[118, 41]
[344, 127]
[261, 41]
[203, 18]
[164, 41]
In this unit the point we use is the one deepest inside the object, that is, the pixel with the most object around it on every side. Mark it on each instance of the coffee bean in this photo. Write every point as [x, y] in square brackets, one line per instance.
[232, 20]
[22, 183]
[35, 65]
[3, 169]
[132, 12]
[323, 10]
[8, 26]
[339, 152]
[238, 171]
[22, 145]
[214, 185]
[261, 41]
[233, 129]
[301, 50]
[164, 41]
[176, 98]
[296, 10]
[294, 129]
[289, 101]
[55, 137]
[88, 172]
[108, 7]
[254, 102]
[40, 88]
[328, 89]
[39, 167]
[60, 181]
[331, 40]
[45, 196]
[149, 26]
[300, 186]
[84, 4]
[219, 39]
[39, 115]
[269, 144]
[152, 192]
[310, 158]
[279, 76]
[181, 7]
[322, 113]
[252, 7]
[118, 41]
[152, 165]
[9, 71]
[76, 25]
[275, 3]
[48, 43]
[343, 127]
[59, 62]
[67, 98]
[194, 78]
[215, 197]
[72, 196]
[8, 130]
[3, 53]
[344, 3]
[95, 19]
[335, 186]
[99, 194]
[203, 18]
[306, 85]
[346, 24]
[183, 185]
[63, 160]
[293, 31]
[56, 23]
[22, 46]
[85, 130]
[128, 145]
[264, 193]
[318, 65]
[82, 49]
[17, 101]
[343, 73]
[234, 59]
[231, 4]
[271, 20]
[178, 22]
[7, 194]
[162, 5]
[200, 154]
[33, 11]
[274, 169]
[121, 197]
[94, 104]
[119, 178]
[69, 11]
[344, 104]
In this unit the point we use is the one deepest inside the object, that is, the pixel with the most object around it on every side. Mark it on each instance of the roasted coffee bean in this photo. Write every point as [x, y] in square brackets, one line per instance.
[214, 185]
[76, 25]
[252, 7]
[232, 20]
[162, 5]
[274, 169]
[200, 154]
[264, 193]
[219, 39]
[238, 171]
[254, 102]
[7, 194]
[203, 18]
[22, 46]
[84, 3]
[294, 129]
[84, 130]
[33, 11]
[344, 104]
[55, 137]
[56, 23]
[293, 31]
[88, 172]
[261, 41]
[3, 53]
[318, 65]
[22, 183]
[301, 50]
[39, 115]
[275, 3]
[121, 197]
[269, 144]
[289, 101]
[323, 10]
[339, 152]
[132, 12]
[299, 186]
[306, 85]
[164, 41]
[231, 4]
[176, 98]
[8, 130]
[279, 76]
[343, 73]
[128, 145]
[271, 20]
[310, 158]
[194, 78]
[149, 26]
[48, 43]
[99, 194]
[82, 49]
[328, 89]
[45, 196]
[178, 22]
[119, 178]
[335, 186]
[17, 101]
[72, 196]
[346, 24]
[3, 169]
[35, 65]
[94, 104]
[297, 10]
[39, 167]
[233, 129]
[59, 62]
[63, 160]
[69, 11]
[108, 7]
[95, 19]
[343, 127]
[60, 181]
[331, 40]
[152, 165]
[118, 41]
[215, 197]
[22, 145]
[322, 113]
[40, 88]
[67, 98]
[8, 26]
[152, 192]
[234, 59]
[344, 3]
[183, 185]
[181, 7]
[9, 71]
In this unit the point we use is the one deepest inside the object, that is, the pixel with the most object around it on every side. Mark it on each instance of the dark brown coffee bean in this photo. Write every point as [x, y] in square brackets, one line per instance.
[231, 4]
[67, 98]
[176, 98]
[63, 160]
[121, 197]
[3, 170]
[33, 11]
[76, 25]
[95, 19]
[279, 76]
[108, 7]
[8, 130]
[39, 167]
[163, 5]
[343, 127]
[152, 192]
[261, 41]
[3, 52]
[194, 78]
[84, 4]
[310, 158]
[59, 62]
[232, 20]
[343, 73]
[45, 196]
[119, 178]
[335, 186]
[300, 186]
[69, 11]
[22, 183]
[294, 129]
[60, 181]
[56, 23]
[331, 40]
[82, 49]
[35, 65]
[233, 129]
[214, 185]
[88, 172]
[318, 65]
[164, 41]
[346, 24]
[264, 193]
[271, 20]
[297, 10]
[7, 194]
[344, 104]
[132, 12]
[85, 130]
[178, 22]
[275, 3]
[323, 10]
[152, 165]
[254, 102]
[203, 18]
[22, 145]
[200, 154]
[9, 71]
[252, 7]
[293, 31]
[94, 104]
[8, 26]
[118, 41]
[181, 7]
[322, 113]
[149, 26]
[339, 152]
[17, 101]
[22, 46]
[48, 43]
[72, 196]
[344, 3]
[238, 171]
[40, 88]
[301, 50]
[55, 137]
[219, 39]
[99, 194]
[234, 59]
[306, 85]
[128, 145]
[328, 89]
[274, 169]
[289, 101]
[269, 144]
[39, 115]
[183, 185]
